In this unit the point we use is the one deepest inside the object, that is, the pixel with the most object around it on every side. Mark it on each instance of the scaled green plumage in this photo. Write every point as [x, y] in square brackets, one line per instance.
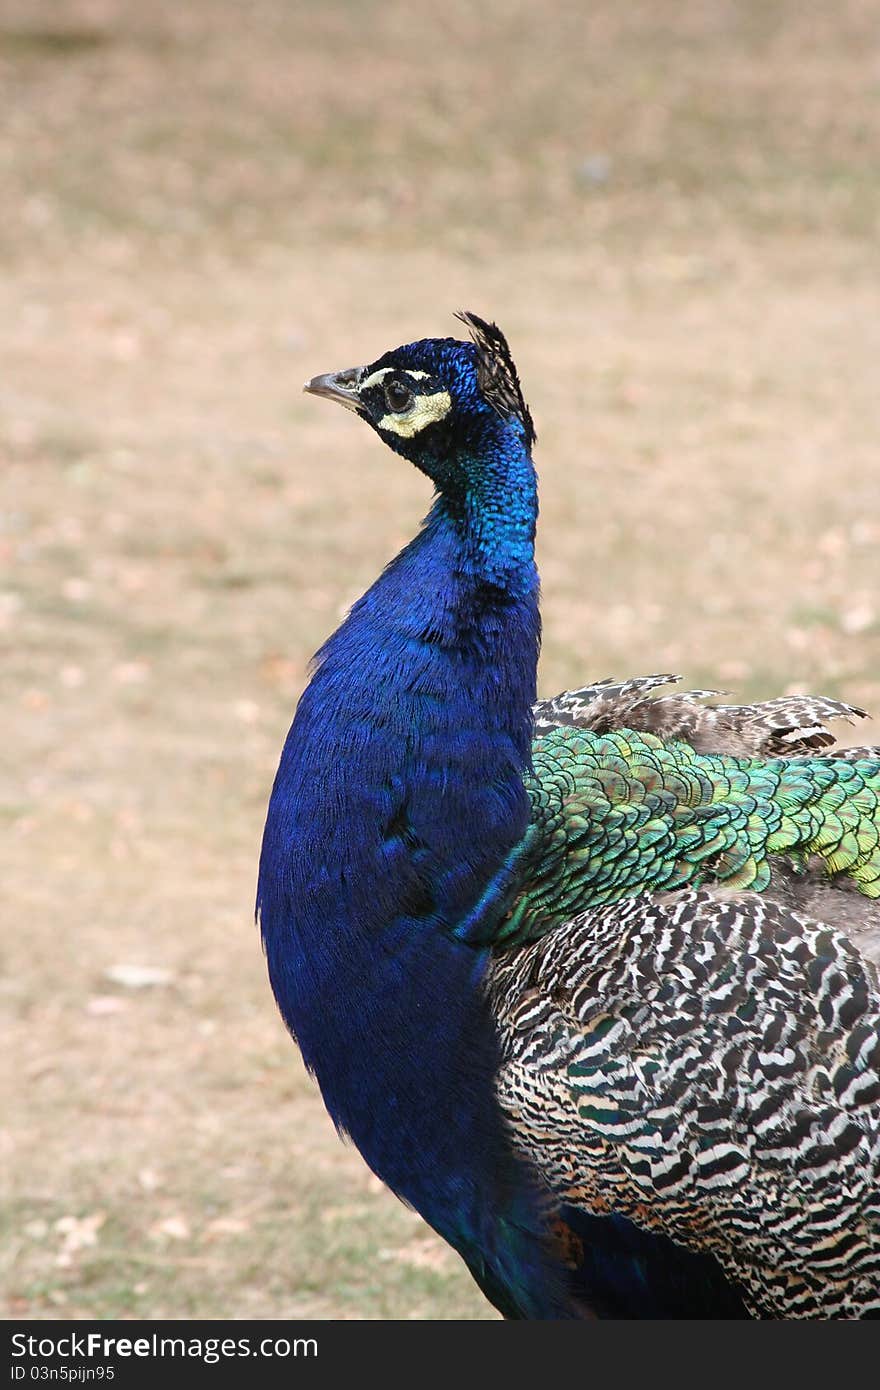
[626, 813]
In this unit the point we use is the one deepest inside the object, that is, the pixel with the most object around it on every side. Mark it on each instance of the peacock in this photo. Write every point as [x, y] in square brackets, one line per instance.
[589, 982]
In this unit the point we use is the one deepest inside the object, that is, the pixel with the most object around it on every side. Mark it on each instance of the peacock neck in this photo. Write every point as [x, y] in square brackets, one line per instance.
[490, 498]
[431, 681]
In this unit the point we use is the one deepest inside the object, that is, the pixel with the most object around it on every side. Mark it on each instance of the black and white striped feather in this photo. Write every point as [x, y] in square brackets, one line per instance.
[709, 1070]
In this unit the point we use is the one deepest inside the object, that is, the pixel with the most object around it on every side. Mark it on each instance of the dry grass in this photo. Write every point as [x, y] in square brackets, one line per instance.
[672, 209]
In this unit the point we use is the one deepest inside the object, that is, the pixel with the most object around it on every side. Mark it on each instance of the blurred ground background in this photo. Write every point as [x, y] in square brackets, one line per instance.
[673, 210]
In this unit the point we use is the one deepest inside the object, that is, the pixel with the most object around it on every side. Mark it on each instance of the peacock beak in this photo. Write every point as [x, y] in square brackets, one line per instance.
[338, 386]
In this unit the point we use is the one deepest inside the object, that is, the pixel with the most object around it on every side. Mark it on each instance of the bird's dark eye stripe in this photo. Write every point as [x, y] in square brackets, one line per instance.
[398, 396]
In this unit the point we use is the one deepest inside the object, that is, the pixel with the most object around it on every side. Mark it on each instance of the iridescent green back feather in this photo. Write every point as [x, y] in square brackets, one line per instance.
[625, 813]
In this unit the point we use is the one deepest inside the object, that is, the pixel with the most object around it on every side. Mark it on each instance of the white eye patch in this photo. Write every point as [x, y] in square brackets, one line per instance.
[376, 378]
[426, 410]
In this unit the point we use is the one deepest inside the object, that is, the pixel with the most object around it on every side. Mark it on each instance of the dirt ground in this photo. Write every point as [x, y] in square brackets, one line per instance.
[673, 210]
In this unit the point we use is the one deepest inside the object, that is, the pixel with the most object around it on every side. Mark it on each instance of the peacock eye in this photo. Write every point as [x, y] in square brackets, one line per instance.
[398, 397]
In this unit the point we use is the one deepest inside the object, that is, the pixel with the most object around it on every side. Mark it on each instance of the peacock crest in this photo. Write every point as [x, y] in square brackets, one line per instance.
[497, 376]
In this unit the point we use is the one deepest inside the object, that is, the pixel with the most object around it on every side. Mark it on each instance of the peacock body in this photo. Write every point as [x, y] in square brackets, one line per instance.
[589, 982]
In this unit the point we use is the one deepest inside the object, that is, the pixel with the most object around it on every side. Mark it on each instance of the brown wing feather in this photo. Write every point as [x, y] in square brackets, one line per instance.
[789, 726]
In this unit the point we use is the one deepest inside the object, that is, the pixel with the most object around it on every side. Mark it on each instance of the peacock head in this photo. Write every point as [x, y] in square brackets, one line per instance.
[441, 403]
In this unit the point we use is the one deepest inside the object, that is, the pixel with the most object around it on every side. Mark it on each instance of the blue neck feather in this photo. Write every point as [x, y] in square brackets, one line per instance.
[398, 795]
